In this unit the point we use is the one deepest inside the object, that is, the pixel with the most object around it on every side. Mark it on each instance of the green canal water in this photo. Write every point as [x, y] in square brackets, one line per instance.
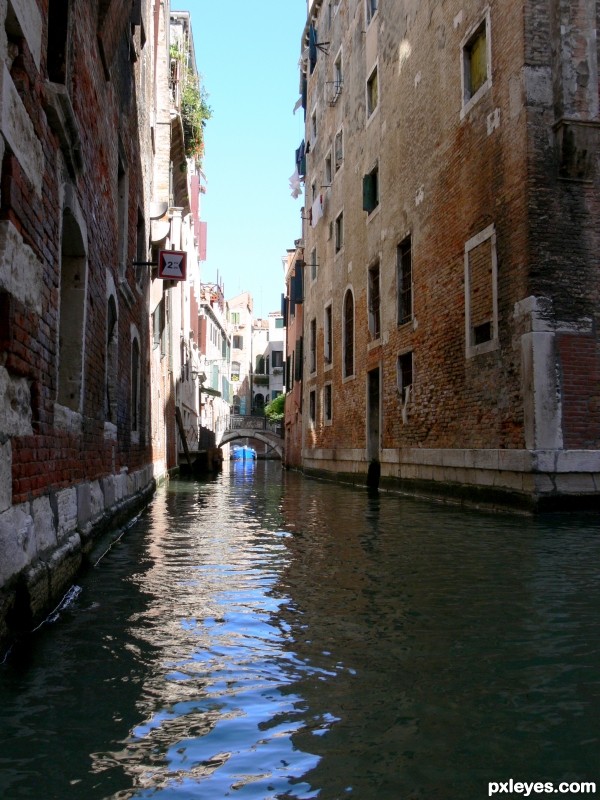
[263, 636]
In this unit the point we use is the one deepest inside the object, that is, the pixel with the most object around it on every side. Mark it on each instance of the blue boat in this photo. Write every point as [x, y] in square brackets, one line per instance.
[243, 453]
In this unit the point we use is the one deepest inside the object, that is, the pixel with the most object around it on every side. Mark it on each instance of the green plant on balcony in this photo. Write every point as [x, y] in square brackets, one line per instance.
[195, 110]
[261, 380]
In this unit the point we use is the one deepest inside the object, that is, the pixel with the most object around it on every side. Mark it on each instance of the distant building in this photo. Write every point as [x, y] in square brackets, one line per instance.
[267, 350]
[451, 240]
[240, 317]
[214, 384]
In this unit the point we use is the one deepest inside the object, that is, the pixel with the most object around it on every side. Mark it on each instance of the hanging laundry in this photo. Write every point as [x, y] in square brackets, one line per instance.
[295, 184]
[316, 210]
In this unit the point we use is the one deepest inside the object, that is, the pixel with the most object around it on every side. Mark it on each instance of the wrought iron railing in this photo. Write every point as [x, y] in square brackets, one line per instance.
[255, 422]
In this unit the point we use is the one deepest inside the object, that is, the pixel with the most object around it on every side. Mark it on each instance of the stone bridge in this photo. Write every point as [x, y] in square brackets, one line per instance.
[242, 426]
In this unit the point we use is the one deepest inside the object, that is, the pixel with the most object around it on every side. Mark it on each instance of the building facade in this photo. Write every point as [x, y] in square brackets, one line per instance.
[215, 360]
[240, 317]
[451, 283]
[292, 304]
[91, 356]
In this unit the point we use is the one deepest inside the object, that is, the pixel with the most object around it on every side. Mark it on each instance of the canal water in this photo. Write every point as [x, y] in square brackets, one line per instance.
[263, 636]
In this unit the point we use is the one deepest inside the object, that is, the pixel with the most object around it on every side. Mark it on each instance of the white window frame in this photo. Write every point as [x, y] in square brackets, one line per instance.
[468, 101]
[338, 232]
[493, 343]
[372, 111]
[338, 163]
[328, 169]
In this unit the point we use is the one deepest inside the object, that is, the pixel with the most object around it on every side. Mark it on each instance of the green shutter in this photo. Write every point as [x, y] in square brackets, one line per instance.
[369, 192]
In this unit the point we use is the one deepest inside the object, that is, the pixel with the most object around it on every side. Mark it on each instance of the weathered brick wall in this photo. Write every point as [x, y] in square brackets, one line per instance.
[445, 177]
[32, 346]
[564, 199]
[62, 468]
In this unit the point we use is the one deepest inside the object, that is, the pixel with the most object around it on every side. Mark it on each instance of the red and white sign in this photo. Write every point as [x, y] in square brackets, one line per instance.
[172, 265]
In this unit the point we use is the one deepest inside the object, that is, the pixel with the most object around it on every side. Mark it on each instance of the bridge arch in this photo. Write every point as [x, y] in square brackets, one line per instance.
[268, 438]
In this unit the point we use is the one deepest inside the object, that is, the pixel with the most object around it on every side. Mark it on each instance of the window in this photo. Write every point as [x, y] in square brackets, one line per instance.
[338, 149]
[141, 246]
[374, 300]
[313, 127]
[481, 302]
[235, 317]
[372, 93]
[298, 358]
[404, 280]
[112, 361]
[476, 64]
[312, 48]
[279, 322]
[238, 342]
[327, 336]
[135, 384]
[348, 334]
[313, 345]
[335, 86]
[339, 232]
[312, 406]
[260, 365]
[405, 375]
[313, 265]
[235, 372]
[123, 207]
[277, 359]
[327, 404]
[371, 9]
[73, 291]
[371, 190]
[158, 326]
[58, 41]
[328, 170]
[337, 72]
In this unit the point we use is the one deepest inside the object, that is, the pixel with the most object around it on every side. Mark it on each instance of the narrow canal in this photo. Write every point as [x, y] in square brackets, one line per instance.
[262, 636]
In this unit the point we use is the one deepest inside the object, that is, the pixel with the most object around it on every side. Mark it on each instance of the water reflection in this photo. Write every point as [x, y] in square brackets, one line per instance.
[268, 637]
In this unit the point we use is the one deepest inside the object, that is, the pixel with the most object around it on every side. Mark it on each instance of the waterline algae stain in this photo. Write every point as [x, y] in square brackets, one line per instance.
[266, 637]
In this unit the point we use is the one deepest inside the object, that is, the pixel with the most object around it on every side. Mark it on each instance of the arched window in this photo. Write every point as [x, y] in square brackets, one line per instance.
[73, 283]
[348, 334]
[135, 385]
[112, 340]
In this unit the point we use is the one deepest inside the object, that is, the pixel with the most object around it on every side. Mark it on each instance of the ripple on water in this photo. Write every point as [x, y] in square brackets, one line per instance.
[267, 637]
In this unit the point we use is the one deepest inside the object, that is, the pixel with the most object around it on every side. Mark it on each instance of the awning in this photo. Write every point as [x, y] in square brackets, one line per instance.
[212, 392]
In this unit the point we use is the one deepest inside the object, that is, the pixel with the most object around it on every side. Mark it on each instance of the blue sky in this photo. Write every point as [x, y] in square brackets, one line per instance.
[248, 57]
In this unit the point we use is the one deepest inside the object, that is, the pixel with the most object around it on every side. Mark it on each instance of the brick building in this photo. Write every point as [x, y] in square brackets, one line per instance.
[294, 340]
[451, 287]
[85, 195]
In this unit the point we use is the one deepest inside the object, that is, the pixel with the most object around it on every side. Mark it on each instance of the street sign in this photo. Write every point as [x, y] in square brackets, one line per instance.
[172, 265]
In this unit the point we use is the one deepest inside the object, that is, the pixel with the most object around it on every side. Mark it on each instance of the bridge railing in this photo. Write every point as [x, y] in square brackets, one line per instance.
[254, 422]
